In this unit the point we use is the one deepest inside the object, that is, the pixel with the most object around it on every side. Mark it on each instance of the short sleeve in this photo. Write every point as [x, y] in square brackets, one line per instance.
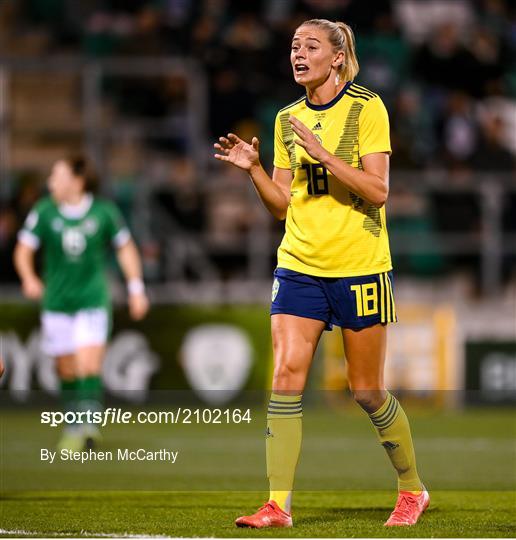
[374, 128]
[281, 157]
[31, 233]
[116, 227]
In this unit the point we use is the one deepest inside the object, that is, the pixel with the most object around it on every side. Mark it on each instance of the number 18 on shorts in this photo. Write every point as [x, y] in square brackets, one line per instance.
[353, 302]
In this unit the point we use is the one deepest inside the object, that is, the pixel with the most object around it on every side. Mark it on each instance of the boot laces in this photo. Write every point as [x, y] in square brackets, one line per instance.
[403, 507]
[267, 506]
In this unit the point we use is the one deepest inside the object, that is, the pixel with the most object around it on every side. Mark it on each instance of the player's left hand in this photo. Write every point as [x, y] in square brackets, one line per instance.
[307, 139]
[138, 306]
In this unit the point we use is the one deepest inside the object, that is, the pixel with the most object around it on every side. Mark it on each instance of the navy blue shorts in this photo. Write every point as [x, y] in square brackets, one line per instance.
[354, 302]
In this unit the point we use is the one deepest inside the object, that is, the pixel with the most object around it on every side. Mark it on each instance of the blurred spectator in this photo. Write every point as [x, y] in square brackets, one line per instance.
[495, 15]
[486, 62]
[409, 215]
[504, 109]
[490, 154]
[148, 38]
[29, 191]
[413, 138]
[203, 40]
[384, 57]
[230, 215]
[458, 211]
[455, 208]
[105, 31]
[443, 61]
[458, 129]
[419, 19]
[229, 100]
[180, 198]
[247, 33]
[9, 226]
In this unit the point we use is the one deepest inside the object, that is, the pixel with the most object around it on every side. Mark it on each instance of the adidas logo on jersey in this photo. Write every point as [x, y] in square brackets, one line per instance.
[317, 126]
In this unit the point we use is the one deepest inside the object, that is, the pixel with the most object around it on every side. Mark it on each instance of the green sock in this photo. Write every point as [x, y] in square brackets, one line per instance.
[90, 393]
[283, 446]
[392, 426]
[69, 394]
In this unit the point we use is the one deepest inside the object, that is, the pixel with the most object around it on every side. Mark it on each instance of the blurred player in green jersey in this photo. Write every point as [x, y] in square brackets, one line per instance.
[75, 229]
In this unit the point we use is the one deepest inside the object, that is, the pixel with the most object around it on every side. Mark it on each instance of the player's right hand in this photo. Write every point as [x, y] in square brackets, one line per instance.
[236, 151]
[32, 288]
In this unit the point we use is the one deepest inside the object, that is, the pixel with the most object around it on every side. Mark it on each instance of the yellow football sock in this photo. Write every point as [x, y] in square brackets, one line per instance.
[393, 430]
[283, 445]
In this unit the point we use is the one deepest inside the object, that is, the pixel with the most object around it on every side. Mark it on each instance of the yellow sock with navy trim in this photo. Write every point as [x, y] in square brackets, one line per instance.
[283, 446]
[392, 426]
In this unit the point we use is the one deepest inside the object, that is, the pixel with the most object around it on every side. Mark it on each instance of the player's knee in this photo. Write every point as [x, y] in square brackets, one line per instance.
[89, 362]
[66, 370]
[369, 400]
[288, 376]
[89, 370]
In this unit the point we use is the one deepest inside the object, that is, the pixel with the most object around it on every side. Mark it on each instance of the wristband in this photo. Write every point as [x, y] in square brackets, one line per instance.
[135, 286]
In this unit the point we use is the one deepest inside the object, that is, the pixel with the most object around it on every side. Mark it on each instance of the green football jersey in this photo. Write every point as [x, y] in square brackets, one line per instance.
[74, 242]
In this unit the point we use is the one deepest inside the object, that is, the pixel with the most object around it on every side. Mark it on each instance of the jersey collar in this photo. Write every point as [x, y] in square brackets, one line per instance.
[77, 211]
[330, 103]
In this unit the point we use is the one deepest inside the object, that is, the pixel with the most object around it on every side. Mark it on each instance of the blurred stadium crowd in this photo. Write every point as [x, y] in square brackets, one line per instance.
[445, 69]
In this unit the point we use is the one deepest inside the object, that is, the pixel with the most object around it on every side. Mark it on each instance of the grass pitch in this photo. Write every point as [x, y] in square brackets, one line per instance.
[467, 460]
[317, 514]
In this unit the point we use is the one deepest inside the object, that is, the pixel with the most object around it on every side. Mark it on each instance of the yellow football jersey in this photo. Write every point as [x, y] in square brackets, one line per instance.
[331, 232]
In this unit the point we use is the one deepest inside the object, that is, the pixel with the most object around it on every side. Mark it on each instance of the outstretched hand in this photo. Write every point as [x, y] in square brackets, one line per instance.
[236, 151]
[33, 288]
[138, 306]
[307, 139]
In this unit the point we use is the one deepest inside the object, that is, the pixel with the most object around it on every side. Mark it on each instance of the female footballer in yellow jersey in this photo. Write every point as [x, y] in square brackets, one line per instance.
[330, 183]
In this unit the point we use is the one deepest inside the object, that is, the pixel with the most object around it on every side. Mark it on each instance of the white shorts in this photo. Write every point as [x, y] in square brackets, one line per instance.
[64, 333]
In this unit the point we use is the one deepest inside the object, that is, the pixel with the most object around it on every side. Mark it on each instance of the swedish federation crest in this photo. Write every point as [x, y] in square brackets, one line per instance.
[275, 289]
